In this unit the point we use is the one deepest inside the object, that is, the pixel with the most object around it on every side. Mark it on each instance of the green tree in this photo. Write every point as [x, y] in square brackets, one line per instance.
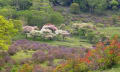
[41, 5]
[7, 31]
[17, 25]
[82, 3]
[34, 17]
[92, 5]
[7, 12]
[75, 8]
[56, 18]
[21, 4]
[95, 5]
[5, 2]
[62, 2]
[38, 18]
[114, 4]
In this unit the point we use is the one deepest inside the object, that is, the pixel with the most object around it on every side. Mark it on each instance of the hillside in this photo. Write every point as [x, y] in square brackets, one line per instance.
[59, 35]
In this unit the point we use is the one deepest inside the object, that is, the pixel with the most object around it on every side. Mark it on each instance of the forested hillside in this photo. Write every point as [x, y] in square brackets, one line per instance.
[59, 35]
[39, 12]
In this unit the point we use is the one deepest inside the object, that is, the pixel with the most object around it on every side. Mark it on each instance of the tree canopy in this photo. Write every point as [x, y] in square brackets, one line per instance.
[7, 31]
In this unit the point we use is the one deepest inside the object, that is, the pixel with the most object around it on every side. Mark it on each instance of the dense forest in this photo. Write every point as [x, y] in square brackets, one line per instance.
[59, 35]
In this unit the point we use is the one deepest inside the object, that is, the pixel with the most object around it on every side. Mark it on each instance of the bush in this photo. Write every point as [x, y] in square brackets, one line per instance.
[65, 67]
[75, 8]
[26, 68]
[81, 67]
[72, 66]
[8, 12]
[18, 25]
[87, 31]
[56, 18]
[114, 4]
[117, 59]
[39, 57]
[22, 4]
[5, 61]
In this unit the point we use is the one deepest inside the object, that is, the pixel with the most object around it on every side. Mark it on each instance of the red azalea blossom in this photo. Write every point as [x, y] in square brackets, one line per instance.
[111, 52]
[87, 60]
[99, 56]
[82, 59]
[89, 54]
[51, 26]
[119, 54]
[113, 42]
[118, 45]
[116, 37]
[105, 48]
[100, 44]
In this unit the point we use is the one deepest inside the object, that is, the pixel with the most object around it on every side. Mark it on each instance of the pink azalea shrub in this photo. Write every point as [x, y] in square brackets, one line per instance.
[47, 34]
[27, 29]
[50, 26]
[50, 31]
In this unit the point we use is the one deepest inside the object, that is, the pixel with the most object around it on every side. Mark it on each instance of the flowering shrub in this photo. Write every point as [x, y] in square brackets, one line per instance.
[50, 31]
[65, 67]
[39, 56]
[18, 24]
[47, 31]
[28, 29]
[5, 60]
[84, 25]
[34, 33]
[83, 28]
[26, 45]
[38, 68]
[47, 34]
[26, 68]
[50, 26]
[72, 66]
[62, 33]
[87, 31]
[105, 55]
[34, 68]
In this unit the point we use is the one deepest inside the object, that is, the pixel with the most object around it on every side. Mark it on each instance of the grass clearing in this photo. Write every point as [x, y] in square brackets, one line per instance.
[70, 41]
[110, 31]
[114, 69]
[22, 55]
